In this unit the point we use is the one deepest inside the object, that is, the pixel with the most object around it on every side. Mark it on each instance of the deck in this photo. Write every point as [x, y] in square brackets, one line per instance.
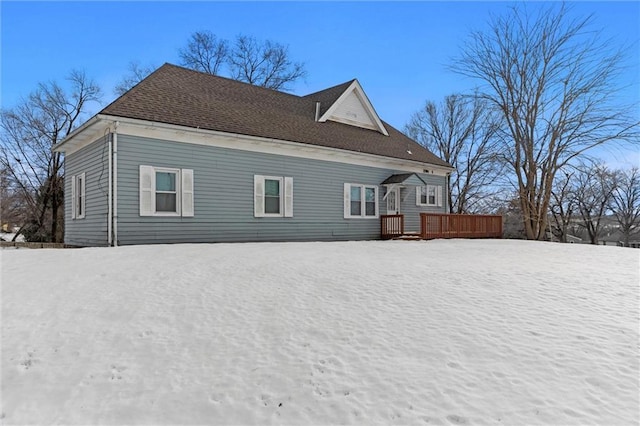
[440, 225]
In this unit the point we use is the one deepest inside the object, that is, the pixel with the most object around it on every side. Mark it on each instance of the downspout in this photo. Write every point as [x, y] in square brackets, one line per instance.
[110, 197]
[447, 209]
[115, 184]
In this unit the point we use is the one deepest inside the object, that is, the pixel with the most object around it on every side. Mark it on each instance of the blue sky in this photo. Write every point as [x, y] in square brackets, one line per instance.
[399, 51]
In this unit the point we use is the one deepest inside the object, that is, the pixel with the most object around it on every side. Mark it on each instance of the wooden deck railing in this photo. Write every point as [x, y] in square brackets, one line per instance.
[437, 225]
[391, 225]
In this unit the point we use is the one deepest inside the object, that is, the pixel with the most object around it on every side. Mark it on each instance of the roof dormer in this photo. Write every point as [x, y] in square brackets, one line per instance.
[353, 108]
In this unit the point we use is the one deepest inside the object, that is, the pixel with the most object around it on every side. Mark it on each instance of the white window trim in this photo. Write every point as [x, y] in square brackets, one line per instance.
[286, 196]
[438, 191]
[78, 193]
[363, 207]
[184, 192]
[155, 191]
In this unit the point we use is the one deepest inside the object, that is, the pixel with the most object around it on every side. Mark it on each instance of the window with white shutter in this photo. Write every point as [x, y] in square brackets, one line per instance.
[166, 192]
[272, 196]
[78, 196]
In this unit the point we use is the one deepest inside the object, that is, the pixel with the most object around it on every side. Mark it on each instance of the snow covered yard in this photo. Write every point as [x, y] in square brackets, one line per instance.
[394, 332]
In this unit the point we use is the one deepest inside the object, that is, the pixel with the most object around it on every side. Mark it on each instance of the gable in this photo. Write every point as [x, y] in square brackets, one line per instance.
[352, 111]
[353, 108]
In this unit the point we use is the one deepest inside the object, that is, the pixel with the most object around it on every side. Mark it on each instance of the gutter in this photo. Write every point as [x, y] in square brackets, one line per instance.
[259, 139]
[88, 123]
[115, 184]
[110, 197]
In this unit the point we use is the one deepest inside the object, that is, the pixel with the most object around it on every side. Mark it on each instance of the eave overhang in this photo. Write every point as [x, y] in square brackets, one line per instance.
[101, 124]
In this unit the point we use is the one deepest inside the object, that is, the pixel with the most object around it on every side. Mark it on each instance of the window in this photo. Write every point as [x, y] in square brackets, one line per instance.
[360, 201]
[429, 195]
[272, 196]
[166, 192]
[78, 197]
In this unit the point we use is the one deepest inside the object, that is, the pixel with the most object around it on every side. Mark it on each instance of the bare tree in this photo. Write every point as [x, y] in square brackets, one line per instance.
[28, 132]
[13, 211]
[625, 203]
[204, 52]
[136, 73]
[509, 209]
[554, 82]
[461, 130]
[562, 205]
[594, 187]
[261, 63]
[265, 64]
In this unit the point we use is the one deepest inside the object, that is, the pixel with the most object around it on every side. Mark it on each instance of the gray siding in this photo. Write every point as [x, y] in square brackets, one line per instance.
[223, 196]
[411, 210]
[93, 161]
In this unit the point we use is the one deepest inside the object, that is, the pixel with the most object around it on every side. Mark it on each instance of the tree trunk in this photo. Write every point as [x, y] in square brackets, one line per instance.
[54, 219]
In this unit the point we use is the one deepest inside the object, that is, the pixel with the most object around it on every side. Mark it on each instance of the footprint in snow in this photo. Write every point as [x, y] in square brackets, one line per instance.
[455, 419]
[29, 362]
[116, 372]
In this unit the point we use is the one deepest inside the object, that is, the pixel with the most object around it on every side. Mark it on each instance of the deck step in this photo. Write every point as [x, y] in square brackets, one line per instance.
[408, 237]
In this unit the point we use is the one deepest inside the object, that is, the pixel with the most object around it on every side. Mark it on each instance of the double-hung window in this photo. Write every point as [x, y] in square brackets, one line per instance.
[360, 201]
[78, 196]
[166, 191]
[272, 196]
[429, 195]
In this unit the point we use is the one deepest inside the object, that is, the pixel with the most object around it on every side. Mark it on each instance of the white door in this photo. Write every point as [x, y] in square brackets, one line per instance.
[393, 201]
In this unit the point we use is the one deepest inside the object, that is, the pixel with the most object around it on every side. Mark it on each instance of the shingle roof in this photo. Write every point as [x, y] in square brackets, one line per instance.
[328, 96]
[179, 96]
[401, 178]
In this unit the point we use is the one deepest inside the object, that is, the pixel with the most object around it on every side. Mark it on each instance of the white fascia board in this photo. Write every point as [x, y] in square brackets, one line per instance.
[95, 128]
[182, 134]
[92, 130]
[355, 87]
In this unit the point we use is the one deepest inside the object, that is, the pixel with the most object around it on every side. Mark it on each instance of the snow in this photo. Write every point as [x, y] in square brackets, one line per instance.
[5, 236]
[393, 332]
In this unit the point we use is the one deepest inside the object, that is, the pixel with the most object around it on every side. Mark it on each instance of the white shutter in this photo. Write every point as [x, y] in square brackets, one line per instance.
[147, 190]
[83, 197]
[73, 197]
[439, 195]
[187, 192]
[418, 195]
[347, 200]
[288, 197]
[258, 196]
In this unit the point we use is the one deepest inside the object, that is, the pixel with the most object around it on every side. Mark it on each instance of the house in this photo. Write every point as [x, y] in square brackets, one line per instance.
[572, 239]
[617, 238]
[191, 157]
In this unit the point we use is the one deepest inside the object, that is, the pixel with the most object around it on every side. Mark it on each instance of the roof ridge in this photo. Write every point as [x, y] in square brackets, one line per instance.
[346, 84]
[125, 94]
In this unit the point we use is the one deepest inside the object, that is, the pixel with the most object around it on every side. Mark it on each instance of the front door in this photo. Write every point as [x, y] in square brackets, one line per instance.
[393, 201]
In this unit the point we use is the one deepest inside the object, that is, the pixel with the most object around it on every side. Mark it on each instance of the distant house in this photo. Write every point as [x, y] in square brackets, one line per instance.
[572, 239]
[617, 238]
[190, 157]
